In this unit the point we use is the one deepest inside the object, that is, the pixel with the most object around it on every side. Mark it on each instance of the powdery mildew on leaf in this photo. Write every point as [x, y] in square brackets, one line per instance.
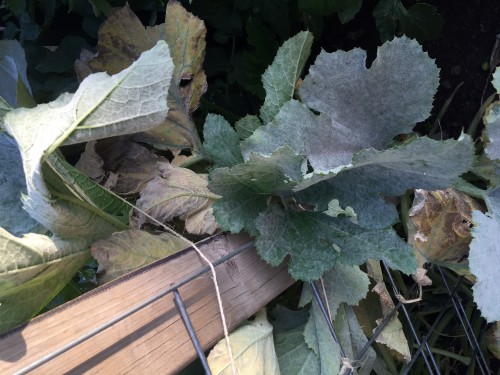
[221, 142]
[491, 133]
[246, 187]
[483, 256]
[359, 107]
[12, 183]
[281, 76]
[316, 242]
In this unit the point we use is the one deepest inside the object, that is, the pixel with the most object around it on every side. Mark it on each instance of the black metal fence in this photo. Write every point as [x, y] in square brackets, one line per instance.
[422, 349]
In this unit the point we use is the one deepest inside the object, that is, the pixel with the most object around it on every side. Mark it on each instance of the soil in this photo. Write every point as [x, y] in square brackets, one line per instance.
[462, 52]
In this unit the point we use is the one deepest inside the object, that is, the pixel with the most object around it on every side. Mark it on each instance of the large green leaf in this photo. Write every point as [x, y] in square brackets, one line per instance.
[246, 187]
[32, 271]
[419, 163]
[360, 107]
[281, 76]
[317, 241]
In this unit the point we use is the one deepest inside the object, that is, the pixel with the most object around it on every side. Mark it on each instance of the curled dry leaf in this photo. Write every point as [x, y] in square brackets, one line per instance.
[439, 225]
[177, 192]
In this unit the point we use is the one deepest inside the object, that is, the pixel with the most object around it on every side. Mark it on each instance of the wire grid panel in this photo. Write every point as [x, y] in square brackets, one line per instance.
[422, 346]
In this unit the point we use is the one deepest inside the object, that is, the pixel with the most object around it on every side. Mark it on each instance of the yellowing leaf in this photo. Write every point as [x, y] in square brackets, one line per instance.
[126, 251]
[392, 335]
[121, 40]
[33, 269]
[253, 350]
[439, 225]
[177, 192]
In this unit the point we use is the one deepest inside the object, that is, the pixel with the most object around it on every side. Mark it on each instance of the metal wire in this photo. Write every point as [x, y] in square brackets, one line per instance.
[191, 331]
[464, 321]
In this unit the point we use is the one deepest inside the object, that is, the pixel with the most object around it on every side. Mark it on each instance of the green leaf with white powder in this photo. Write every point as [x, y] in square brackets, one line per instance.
[317, 241]
[281, 76]
[420, 163]
[246, 187]
[359, 107]
[221, 142]
[318, 337]
[483, 248]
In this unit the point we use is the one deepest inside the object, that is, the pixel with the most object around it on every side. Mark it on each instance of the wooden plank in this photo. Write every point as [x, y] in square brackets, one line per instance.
[154, 339]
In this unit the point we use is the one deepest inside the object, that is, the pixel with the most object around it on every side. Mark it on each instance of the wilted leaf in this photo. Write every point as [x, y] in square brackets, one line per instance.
[33, 269]
[121, 40]
[439, 225]
[126, 251]
[221, 142]
[493, 339]
[177, 192]
[252, 346]
[103, 106]
[280, 77]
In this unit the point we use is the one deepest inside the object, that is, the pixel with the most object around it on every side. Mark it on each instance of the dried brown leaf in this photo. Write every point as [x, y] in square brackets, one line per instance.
[126, 251]
[177, 192]
[439, 225]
